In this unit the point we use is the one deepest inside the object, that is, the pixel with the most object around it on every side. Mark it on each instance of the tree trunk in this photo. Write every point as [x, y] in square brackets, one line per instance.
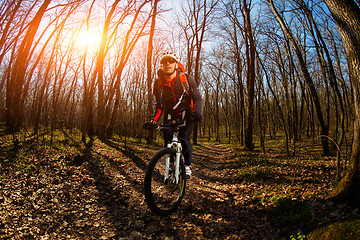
[88, 93]
[310, 84]
[98, 74]
[132, 36]
[327, 61]
[150, 107]
[14, 91]
[250, 56]
[347, 17]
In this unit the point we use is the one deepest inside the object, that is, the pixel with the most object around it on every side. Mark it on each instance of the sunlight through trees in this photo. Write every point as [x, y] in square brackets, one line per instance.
[268, 70]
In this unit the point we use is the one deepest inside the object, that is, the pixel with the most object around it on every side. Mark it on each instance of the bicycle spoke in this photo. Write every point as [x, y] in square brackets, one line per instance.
[163, 197]
[166, 193]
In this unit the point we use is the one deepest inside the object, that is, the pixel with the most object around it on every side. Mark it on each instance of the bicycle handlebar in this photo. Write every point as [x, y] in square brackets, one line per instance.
[174, 124]
[171, 125]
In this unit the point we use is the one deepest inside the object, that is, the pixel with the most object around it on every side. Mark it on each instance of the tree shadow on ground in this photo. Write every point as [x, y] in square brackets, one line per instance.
[113, 197]
[103, 195]
[210, 211]
[284, 217]
[110, 196]
[128, 152]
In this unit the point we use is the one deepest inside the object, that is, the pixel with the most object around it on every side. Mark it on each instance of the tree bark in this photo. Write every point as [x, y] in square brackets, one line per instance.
[150, 107]
[98, 74]
[14, 91]
[347, 17]
[250, 81]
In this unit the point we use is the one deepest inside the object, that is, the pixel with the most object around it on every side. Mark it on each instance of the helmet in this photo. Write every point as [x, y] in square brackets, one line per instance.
[167, 56]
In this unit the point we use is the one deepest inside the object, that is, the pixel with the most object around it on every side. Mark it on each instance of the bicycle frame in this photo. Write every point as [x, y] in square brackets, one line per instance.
[174, 144]
[165, 179]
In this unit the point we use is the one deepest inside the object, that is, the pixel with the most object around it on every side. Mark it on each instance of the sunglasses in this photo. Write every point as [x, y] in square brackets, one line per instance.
[168, 61]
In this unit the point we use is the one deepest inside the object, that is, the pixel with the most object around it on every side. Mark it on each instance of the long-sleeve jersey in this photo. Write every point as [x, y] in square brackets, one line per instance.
[168, 95]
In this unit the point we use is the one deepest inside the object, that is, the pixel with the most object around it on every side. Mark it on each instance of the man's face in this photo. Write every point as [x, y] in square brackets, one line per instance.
[168, 65]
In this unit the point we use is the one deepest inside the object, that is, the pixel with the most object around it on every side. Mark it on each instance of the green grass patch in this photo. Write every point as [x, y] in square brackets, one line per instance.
[342, 230]
[256, 172]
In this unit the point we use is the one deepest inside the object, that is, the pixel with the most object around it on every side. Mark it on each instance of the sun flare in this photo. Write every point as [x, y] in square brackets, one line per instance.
[87, 39]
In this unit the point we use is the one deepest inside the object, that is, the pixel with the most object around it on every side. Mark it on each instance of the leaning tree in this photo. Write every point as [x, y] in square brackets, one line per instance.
[347, 17]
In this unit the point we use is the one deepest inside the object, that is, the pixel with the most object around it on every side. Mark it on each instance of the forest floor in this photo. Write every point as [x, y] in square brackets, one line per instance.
[95, 191]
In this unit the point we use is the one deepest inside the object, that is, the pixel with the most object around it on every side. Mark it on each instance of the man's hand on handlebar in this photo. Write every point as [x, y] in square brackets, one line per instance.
[149, 125]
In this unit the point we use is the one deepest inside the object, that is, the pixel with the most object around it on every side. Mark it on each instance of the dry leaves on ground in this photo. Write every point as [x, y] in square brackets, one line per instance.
[97, 194]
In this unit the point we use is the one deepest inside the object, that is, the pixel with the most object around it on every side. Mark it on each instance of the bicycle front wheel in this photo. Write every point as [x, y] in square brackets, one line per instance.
[163, 194]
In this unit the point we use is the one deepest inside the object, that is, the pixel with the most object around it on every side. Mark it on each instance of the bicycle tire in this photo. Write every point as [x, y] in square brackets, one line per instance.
[163, 198]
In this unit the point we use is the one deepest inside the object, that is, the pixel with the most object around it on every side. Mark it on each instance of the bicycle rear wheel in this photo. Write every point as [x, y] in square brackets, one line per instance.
[164, 196]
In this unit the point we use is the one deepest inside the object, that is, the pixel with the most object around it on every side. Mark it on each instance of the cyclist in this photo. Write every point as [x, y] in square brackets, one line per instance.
[177, 97]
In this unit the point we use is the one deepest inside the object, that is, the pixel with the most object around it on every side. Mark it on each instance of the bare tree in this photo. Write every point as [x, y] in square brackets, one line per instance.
[310, 84]
[14, 105]
[132, 36]
[233, 36]
[7, 20]
[250, 78]
[49, 75]
[244, 26]
[149, 67]
[197, 19]
[87, 127]
[347, 16]
[98, 73]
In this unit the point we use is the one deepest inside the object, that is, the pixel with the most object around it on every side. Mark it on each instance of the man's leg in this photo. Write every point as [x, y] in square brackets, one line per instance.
[184, 135]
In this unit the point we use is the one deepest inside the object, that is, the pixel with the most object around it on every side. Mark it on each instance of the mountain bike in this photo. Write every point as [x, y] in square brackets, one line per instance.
[165, 177]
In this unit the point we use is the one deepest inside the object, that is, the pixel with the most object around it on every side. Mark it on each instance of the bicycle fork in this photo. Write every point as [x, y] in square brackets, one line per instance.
[176, 165]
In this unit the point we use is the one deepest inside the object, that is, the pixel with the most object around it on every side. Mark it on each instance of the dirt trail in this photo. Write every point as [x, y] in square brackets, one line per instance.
[216, 204]
[100, 196]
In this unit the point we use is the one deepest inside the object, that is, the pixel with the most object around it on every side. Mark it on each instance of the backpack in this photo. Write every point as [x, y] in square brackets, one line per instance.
[184, 82]
[183, 79]
[186, 87]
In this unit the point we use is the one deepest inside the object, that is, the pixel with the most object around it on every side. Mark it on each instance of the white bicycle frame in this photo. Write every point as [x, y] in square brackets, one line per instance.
[177, 145]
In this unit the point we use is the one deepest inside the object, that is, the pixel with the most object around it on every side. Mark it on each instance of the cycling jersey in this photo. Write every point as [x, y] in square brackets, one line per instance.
[172, 99]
